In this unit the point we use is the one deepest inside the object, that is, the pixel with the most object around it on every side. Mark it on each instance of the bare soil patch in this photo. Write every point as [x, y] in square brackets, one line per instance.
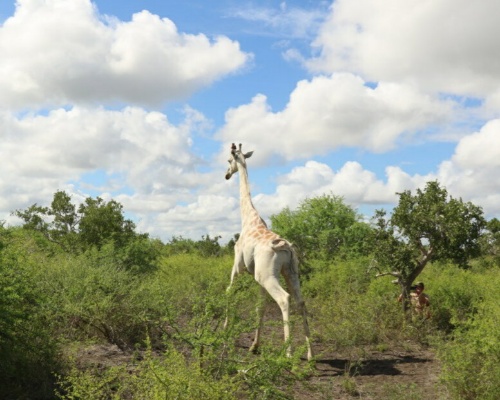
[409, 371]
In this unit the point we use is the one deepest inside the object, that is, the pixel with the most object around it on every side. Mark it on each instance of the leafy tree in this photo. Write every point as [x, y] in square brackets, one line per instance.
[324, 227]
[207, 246]
[429, 225]
[229, 248]
[101, 222]
[491, 239]
[95, 223]
[33, 218]
[180, 245]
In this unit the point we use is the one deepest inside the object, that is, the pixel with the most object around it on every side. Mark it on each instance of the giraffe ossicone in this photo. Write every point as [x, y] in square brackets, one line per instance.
[266, 256]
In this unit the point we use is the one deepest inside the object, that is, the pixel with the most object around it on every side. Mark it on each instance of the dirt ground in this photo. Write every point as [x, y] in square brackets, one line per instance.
[408, 371]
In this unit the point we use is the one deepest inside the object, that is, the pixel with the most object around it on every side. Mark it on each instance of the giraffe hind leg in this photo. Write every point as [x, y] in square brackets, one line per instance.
[261, 307]
[293, 284]
[282, 298]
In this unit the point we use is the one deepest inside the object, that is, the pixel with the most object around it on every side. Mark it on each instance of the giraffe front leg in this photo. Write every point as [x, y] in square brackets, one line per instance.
[237, 267]
[260, 309]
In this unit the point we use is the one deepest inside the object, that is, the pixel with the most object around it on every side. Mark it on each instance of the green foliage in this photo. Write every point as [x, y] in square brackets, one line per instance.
[101, 222]
[27, 348]
[423, 227]
[490, 241]
[324, 228]
[349, 306]
[64, 284]
[471, 362]
[206, 247]
[200, 359]
[92, 296]
[165, 376]
[33, 218]
[93, 224]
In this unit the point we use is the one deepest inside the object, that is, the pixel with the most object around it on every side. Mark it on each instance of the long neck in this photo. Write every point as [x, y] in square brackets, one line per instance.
[247, 208]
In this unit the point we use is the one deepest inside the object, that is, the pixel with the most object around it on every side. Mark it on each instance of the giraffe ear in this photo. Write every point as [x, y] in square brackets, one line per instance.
[248, 155]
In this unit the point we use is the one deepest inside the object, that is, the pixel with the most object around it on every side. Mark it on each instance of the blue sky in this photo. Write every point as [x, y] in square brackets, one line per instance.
[139, 100]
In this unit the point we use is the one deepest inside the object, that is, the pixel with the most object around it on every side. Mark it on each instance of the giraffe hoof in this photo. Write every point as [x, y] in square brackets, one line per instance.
[254, 349]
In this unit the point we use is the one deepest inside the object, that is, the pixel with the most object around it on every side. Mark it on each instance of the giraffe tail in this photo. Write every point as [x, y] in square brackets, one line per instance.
[295, 260]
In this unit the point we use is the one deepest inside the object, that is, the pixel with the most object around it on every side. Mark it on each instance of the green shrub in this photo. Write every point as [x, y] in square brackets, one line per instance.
[166, 376]
[27, 348]
[90, 297]
[454, 292]
[471, 360]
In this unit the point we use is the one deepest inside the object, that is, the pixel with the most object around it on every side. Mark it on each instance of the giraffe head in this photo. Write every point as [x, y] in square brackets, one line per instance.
[237, 157]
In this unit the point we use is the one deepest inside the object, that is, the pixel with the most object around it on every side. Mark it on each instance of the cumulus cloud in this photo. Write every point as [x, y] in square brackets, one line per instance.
[481, 149]
[132, 148]
[63, 63]
[472, 172]
[215, 215]
[357, 185]
[62, 52]
[440, 45]
[330, 112]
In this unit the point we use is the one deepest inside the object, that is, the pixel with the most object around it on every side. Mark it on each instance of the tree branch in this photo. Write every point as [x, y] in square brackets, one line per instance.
[380, 273]
[392, 273]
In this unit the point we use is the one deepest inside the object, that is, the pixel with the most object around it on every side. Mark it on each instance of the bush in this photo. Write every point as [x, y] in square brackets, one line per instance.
[350, 307]
[90, 297]
[27, 348]
[155, 377]
[455, 293]
[471, 360]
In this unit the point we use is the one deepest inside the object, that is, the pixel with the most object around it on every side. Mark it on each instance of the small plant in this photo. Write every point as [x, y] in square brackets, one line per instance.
[407, 392]
[349, 386]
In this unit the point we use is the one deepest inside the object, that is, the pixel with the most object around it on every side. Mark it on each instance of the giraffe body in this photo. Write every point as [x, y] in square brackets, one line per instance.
[265, 255]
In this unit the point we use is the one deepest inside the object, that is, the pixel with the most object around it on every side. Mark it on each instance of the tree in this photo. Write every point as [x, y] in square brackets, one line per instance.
[64, 227]
[33, 218]
[491, 239]
[206, 247]
[102, 221]
[429, 225]
[94, 223]
[324, 227]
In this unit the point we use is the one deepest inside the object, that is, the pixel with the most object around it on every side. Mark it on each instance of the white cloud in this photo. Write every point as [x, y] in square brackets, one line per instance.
[441, 45]
[284, 21]
[480, 150]
[355, 184]
[205, 214]
[472, 172]
[134, 150]
[327, 113]
[62, 52]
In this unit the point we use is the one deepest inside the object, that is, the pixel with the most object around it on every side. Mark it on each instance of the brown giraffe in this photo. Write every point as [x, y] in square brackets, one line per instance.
[265, 255]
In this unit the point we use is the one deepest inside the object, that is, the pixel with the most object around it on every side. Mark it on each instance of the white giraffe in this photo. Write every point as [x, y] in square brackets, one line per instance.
[265, 255]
